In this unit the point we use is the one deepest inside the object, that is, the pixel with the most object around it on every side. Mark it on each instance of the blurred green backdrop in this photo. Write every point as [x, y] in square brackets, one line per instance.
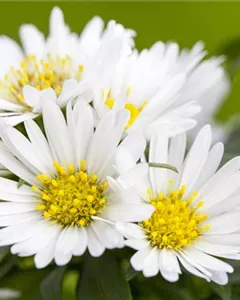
[216, 23]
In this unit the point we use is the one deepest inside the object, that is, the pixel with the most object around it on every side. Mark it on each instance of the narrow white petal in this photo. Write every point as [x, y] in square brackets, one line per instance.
[190, 268]
[151, 264]
[81, 245]
[138, 259]
[196, 158]
[215, 249]
[128, 212]
[130, 230]
[95, 247]
[15, 219]
[106, 234]
[158, 153]
[46, 255]
[11, 187]
[208, 261]
[32, 40]
[10, 54]
[223, 224]
[10, 208]
[136, 244]
[133, 176]
[16, 167]
[60, 143]
[219, 277]
[211, 165]
[169, 261]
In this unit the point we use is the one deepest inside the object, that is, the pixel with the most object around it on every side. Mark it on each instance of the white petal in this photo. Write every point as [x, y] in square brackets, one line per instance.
[15, 208]
[9, 106]
[211, 165]
[138, 259]
[46, 255]
[158, 153]
[224, 239]
[17, 168]
[65, 245]
[107, 235]
[151, 266]
[39, 141]
[32, 40]
[11, 187]
[133, 176]
[60, 144]
[94, 246]
[208, 261]
[130, 230]
[23, 150]
[190, 268]
[128, 212]
[10, 54]
[84, 128]
[81, 245]
[196, 158]
[219, 277]
[169, 261]
[136, 244]
[172, 275]
[15, 219]
[135, 144]
[215, 249]
[224, 223]
[219, 178]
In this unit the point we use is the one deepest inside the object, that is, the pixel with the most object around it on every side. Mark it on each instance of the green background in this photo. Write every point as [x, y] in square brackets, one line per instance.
[215, 23]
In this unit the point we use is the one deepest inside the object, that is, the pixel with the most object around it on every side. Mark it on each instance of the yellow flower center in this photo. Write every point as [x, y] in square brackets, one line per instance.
[39, 73]
[72, 197]
[175, 222]
[131, 107]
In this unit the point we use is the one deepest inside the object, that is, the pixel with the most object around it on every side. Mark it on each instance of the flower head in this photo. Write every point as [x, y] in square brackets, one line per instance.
[163, 87]
[196, 213]
[62, 62]
[72, 193]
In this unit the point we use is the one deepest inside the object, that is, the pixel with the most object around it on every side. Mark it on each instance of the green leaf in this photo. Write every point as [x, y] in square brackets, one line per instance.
[51, 286]
[102, 279]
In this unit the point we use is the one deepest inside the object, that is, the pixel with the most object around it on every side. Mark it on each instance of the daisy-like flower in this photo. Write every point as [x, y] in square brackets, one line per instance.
[63, 62]
[163, 86]
[71, 184]
[196, 215]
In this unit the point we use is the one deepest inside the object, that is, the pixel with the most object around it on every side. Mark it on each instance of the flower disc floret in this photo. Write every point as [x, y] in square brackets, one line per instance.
[175, 222]
[73, 197]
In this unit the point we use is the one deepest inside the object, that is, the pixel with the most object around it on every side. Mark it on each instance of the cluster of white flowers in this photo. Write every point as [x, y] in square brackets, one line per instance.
[89, 107]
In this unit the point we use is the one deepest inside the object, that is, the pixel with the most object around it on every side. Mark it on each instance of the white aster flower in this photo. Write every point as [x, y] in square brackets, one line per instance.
[196, 215]
[164, 86]
[71, 184]
[63, 62]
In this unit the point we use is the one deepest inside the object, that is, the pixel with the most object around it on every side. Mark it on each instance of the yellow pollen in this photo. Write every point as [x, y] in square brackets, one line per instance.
[41, 74]
[72, 197]
[132, 108]
[175, 222]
